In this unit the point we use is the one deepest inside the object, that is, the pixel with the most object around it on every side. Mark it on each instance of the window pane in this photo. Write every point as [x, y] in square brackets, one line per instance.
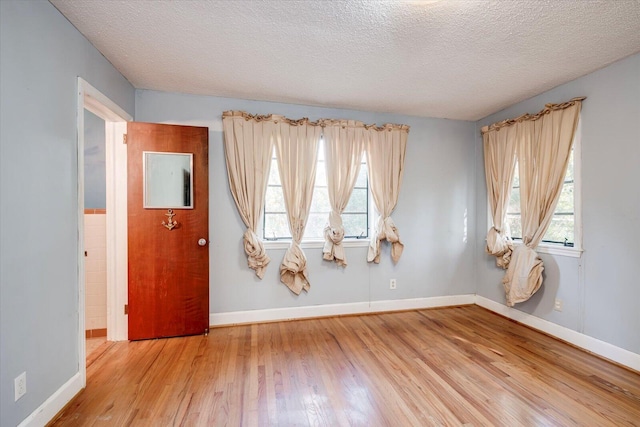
[565, 203]
[562, 224]
[513, 220]
[514, 201]
[275, 226]
[321, 150]
[315, 225]
[321, 174]
[274, 174]
[274, 201]
[355, 224]
[361, 181]
[569, 175]
[561, 228]
[354, 219]
[516, 176]
[320, 202]
[515, 225]
[358, 201]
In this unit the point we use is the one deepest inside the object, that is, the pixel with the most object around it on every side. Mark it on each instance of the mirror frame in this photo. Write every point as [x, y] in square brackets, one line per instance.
[145, 205]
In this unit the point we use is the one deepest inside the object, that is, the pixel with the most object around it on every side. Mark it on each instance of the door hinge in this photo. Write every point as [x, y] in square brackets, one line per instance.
[126, 309]
[124, 138]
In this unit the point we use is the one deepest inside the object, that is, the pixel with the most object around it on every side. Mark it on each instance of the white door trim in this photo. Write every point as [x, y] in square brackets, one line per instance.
[116, 119]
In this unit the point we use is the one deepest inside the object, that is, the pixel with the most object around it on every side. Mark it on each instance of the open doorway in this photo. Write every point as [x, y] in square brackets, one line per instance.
[95, 233]
[115, 121]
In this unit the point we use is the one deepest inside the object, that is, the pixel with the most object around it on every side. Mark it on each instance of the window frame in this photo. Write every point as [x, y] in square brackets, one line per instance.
[551, 248]
[348, 242]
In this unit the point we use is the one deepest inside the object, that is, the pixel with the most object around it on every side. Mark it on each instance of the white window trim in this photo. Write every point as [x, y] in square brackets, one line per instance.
[348, 242]
[576, 250]
[555, 249]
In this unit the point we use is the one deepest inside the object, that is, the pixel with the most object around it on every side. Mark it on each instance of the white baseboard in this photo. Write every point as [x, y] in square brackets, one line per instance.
[594, 345]
[50, 408]
[601, 348]
[290, 313]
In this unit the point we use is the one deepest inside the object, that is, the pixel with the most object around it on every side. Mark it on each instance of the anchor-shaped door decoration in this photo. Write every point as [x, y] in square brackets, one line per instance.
[171, 224]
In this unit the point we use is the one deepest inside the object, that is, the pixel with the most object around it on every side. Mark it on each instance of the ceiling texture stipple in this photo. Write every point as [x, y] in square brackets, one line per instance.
[456, 59]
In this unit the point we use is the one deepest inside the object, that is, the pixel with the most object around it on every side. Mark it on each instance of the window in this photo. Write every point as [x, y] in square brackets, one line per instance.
[355, 217]
[564, 228]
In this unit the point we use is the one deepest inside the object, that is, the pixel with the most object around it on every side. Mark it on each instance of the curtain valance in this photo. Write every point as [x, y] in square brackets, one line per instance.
[548, 108]
[320, 122]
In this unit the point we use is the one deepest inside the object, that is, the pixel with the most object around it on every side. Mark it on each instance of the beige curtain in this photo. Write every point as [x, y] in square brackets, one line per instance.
[248, 143]
[386, 147]
[499, 166]
[544, 147]
[297, 152]
[343, 147]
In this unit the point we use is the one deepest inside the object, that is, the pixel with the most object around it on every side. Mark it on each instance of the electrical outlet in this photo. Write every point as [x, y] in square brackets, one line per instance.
[392, 284]
[558, 305]
[20, 385]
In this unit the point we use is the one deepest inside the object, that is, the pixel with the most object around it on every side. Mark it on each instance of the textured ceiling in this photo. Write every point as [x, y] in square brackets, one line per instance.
[445, 58]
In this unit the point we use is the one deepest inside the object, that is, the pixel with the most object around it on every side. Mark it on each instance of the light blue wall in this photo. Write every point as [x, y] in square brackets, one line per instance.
[41, 56]
[95, 175]
[434, 215]
[601, 290]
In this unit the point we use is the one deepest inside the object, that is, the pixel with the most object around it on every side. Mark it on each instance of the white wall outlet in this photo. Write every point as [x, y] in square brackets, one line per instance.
[20, 385]
[558, 305]
[392, 284]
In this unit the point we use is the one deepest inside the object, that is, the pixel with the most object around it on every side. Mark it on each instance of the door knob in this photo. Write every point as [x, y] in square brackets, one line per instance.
[202, 242]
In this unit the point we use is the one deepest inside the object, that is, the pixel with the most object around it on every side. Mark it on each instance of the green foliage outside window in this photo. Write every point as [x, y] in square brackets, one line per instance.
[562, 227]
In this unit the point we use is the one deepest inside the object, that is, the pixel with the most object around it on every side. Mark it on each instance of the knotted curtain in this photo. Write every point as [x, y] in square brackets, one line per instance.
[343, 144]
[297, 153]
[386, 147]
[248, 143]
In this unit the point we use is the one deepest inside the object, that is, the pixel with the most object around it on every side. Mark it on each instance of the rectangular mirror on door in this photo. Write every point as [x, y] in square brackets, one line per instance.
[168, 180]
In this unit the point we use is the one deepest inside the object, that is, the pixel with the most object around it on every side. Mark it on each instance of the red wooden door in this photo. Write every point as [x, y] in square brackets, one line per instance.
[168, 266]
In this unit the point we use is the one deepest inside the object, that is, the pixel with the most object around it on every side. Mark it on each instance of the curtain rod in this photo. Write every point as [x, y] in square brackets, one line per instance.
[525, 117]
[320, 122]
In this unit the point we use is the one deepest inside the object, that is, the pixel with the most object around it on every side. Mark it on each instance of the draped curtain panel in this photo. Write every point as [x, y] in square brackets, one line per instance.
[344, 145]
[544, 146]
[385, 147]
[499, 165]
[248, 143]
[297, 153]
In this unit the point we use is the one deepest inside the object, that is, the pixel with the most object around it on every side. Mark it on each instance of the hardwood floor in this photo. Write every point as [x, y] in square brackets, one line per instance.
[450, 366]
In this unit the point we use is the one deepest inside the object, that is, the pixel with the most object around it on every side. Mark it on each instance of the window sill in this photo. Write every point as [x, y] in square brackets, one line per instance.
[314, 244]
[560, 250]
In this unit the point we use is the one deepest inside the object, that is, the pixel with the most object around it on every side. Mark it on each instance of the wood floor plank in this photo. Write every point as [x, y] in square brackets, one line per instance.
[458, 366]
